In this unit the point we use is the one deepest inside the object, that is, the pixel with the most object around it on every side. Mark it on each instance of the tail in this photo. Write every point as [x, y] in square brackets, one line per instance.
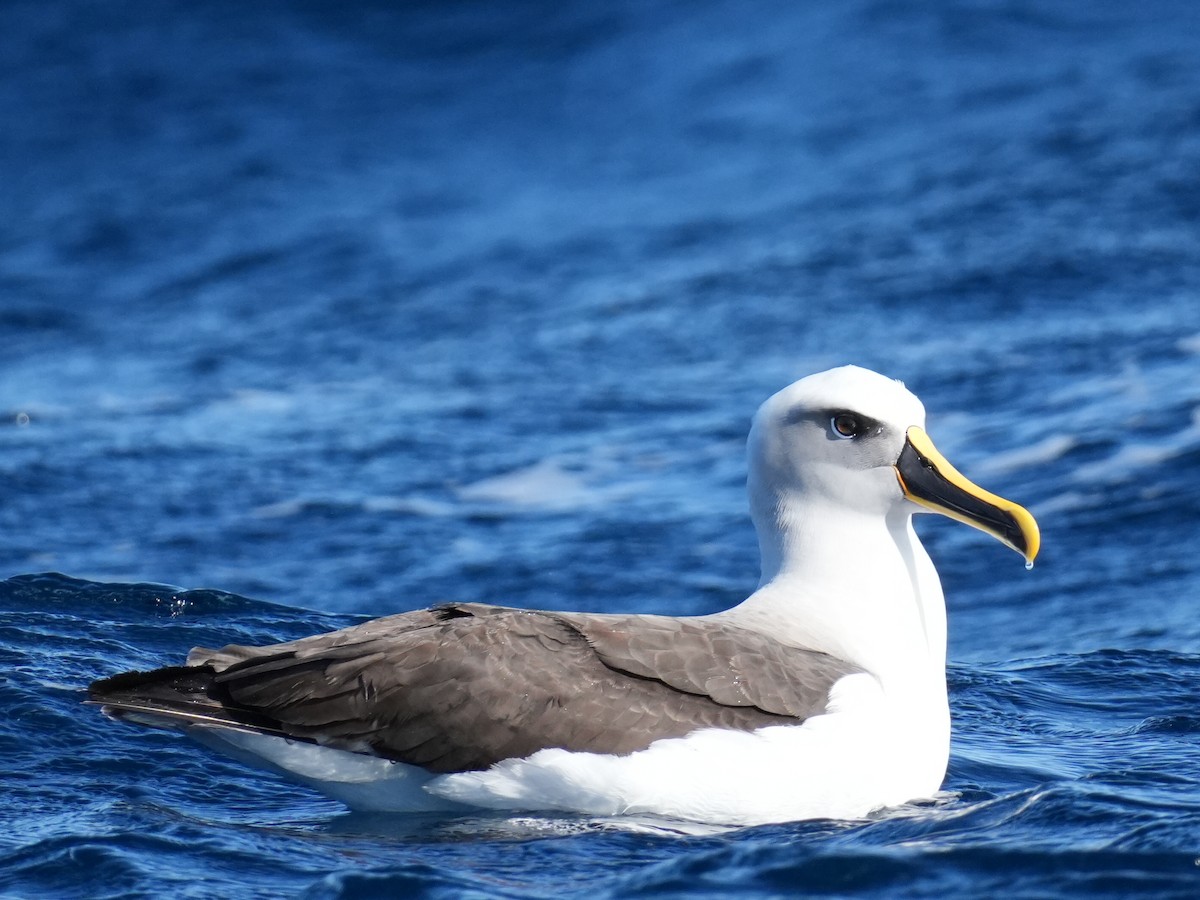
[176, 698]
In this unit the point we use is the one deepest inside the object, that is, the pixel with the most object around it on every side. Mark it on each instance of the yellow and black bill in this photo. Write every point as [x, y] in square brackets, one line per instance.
[928, 479]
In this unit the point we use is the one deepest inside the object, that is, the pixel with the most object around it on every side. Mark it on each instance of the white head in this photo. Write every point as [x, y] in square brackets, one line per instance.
[849, 441]
[833, 436]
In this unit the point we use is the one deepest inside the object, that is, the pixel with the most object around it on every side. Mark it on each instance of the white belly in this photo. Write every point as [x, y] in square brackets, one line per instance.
[863, 755]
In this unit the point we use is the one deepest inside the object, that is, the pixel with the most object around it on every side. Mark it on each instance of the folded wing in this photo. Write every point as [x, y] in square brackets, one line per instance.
[462, 686]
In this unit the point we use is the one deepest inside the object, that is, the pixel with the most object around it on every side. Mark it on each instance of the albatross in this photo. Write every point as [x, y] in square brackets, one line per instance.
[823, 694]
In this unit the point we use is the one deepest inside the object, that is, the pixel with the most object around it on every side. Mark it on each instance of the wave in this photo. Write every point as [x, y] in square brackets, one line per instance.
[1069, 773]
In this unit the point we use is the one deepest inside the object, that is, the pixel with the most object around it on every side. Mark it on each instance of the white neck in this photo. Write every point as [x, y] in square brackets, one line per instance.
[859, 587]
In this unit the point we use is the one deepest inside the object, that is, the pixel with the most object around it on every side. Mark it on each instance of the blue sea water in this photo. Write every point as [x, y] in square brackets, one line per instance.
[347, 308]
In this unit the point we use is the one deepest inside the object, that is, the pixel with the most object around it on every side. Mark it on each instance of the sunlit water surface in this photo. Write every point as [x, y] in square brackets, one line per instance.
[352, 308]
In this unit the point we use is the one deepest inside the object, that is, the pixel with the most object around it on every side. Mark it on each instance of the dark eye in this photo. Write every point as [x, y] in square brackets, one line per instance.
[846, 425]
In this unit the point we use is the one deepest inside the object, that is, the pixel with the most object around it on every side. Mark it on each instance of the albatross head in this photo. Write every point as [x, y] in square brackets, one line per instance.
[850, 441]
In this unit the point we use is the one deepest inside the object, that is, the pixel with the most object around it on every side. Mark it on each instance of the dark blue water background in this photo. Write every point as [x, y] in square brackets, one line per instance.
[350, 308]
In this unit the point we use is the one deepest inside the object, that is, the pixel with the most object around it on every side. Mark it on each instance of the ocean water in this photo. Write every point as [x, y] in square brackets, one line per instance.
[319, 311]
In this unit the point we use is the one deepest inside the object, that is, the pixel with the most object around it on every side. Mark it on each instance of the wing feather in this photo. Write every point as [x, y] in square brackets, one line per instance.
[462, 686]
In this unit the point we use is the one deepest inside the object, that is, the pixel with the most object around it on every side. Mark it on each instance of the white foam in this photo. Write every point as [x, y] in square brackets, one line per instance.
[1190, 344]
[1068, 501]
[415, 506]
[425, 507]
[544, 485]
[1132, 459]
[1045, 451]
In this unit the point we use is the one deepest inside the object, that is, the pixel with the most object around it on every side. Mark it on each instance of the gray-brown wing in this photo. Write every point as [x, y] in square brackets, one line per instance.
[461, 687]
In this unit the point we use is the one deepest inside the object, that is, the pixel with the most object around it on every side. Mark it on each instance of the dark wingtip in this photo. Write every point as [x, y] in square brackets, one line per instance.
[120, 686]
